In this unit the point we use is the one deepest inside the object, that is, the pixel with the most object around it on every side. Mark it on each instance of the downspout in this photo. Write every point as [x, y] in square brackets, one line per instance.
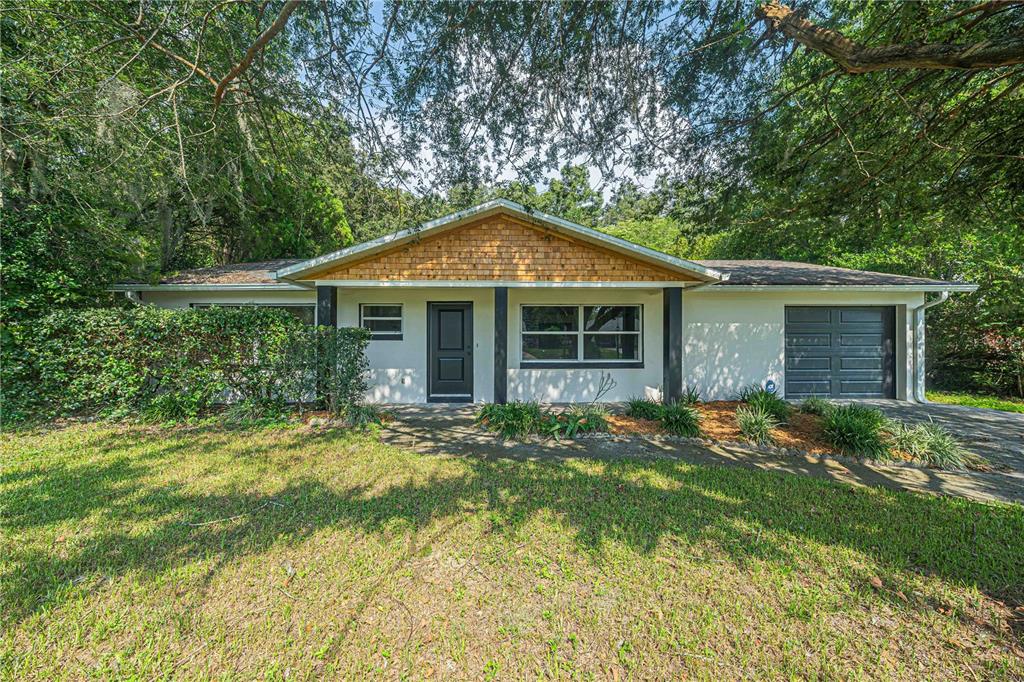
[918, 389]
[133, 296]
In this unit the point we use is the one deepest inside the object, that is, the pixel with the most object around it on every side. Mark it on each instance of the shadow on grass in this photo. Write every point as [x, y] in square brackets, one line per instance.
[744, 515]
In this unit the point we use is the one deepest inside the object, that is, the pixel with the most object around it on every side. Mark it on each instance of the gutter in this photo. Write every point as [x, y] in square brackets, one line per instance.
[918, 388]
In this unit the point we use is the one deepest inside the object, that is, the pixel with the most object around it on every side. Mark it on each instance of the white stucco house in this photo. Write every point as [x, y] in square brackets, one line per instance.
[499, 302]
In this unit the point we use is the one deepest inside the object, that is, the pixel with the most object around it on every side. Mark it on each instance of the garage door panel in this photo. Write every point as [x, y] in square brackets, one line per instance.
[840, 352]
[809, 340]
[874, 363]
[809, 315]
[809, 388]
[861, 315]
[866, 340]
[861, 389]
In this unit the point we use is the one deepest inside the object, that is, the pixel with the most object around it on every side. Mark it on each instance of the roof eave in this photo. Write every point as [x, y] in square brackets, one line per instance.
[247, 286]
[925, 287]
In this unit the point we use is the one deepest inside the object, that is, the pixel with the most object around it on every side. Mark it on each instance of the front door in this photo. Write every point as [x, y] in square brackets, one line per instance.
[450, 352]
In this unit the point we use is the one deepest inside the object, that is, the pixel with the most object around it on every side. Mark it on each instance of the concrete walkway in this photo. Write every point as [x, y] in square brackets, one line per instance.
[450, 430]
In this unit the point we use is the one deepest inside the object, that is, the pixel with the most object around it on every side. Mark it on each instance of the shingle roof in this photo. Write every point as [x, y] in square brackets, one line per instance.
[783, 273]
[740, 272]
[261, 272]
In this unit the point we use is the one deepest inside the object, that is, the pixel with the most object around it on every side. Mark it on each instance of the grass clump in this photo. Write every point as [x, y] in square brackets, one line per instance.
[816, 406]
[588, 418]
[642, 407]
[761, 398]
[857, 430]
[756, 424]
[681, 419]
[929, 443]
[691, 396]
[511, 420]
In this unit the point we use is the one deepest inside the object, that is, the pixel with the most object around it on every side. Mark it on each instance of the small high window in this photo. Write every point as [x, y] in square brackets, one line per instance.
[383, 320]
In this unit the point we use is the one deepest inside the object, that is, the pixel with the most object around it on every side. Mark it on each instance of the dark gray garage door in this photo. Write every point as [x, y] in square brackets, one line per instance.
[840, 352]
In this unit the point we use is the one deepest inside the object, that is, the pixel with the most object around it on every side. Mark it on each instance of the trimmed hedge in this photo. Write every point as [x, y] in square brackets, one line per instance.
[170, 364]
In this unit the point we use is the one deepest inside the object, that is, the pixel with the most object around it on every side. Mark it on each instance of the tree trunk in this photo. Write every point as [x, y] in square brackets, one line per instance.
[855, 58]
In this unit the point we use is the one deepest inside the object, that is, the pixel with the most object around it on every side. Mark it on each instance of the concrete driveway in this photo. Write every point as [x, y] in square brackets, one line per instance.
[995, 435]
[998, 436]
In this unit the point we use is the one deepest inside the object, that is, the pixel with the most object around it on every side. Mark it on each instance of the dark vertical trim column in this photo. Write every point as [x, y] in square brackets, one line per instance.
[501, 345]
[327, 306]
[672, 333]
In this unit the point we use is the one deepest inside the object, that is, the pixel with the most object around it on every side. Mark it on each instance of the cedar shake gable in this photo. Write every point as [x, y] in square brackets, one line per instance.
[501, 248]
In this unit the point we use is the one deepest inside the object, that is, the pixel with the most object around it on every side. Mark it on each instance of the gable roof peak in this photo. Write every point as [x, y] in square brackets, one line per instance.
[305, 269]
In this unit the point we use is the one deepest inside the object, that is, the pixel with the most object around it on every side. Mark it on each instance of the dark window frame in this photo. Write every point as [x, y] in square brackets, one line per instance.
[580, 333]
[384, 336]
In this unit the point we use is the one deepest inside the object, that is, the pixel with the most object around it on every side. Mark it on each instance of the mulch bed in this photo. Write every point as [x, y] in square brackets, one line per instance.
[802, 431]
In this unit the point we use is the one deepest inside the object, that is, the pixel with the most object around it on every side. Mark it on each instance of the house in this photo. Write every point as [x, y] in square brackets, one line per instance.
[499, 302]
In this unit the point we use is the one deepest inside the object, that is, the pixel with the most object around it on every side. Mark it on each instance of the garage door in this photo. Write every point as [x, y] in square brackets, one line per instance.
[840, 352]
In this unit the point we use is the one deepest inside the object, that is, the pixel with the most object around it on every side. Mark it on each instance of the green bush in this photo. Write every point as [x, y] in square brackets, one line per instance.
[763, 399]
[756, 424]
[681, 419]
[173, 364]
[691, 396]
[928, 443]
[816, 406]
[857, 430]
[511, 420]
[644, 408]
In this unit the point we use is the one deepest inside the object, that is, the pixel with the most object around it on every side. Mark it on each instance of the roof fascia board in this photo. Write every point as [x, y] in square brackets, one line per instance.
[488, 283]
[267, 286]
[496, 205]
[846, 287]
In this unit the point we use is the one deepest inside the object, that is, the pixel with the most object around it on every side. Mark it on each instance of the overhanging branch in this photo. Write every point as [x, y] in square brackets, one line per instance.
[254, 49]
[856, 58]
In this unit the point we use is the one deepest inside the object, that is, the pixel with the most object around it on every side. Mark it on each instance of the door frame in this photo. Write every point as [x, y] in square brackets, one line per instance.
[468, 323]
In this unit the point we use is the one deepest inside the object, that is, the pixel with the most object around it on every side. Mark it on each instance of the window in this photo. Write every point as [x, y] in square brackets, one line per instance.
[306, 313]
[591, 335]
[383, 320]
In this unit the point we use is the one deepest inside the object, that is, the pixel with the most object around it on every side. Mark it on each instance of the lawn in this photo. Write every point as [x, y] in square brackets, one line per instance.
[150, 553]
[975, 400]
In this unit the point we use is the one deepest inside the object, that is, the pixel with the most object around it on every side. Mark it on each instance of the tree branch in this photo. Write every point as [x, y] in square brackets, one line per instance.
[856, 58]
[254, 49]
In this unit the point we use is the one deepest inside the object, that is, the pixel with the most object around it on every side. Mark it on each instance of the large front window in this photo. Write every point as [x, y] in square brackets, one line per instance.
[581, 333]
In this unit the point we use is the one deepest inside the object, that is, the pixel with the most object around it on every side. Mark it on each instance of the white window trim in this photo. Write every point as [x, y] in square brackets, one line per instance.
[581, 334]
[384, 336]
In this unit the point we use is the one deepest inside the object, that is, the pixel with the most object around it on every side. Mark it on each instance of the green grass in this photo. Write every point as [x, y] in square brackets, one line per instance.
[973, 400]
[148, 553]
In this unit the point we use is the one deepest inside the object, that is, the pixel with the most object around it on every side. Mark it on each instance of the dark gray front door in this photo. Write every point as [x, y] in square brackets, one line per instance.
[841, 352]
[449, 352]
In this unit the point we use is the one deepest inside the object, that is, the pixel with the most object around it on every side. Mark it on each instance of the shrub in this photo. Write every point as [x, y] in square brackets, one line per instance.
[362, 416]
[816, 406]
[172, 364]
[756, 424]
[590, 416]
[681, 419]
[511, 420]
[691, 396]
[763, 399]
[857, 430]
[644, 408]
[928, 443]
